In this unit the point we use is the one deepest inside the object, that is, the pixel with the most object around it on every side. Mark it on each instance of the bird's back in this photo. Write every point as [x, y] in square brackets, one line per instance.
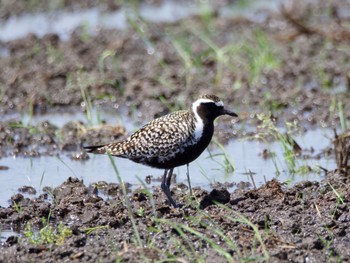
[157, 142]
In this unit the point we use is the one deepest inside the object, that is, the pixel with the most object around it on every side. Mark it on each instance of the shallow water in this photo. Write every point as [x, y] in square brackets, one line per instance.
[208, 168]
[51, 171]
[64, 22]
[6, 233]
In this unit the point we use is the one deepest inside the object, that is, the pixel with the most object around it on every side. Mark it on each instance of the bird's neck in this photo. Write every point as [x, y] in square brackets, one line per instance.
[201, 125]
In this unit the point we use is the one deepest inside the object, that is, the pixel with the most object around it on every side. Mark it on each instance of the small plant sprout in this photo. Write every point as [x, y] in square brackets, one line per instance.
[41, 179]
[172, 107]
[342, 151]
[268, 129]
[150, 196]
[140, 212]
[90, 230]
[18, 207]
[340, 199]
[260, 56]
[102, 60]
[221, 54]
[85, 34]
[47, 234]
[126, 202]
[83, 82]
[238, 217]
[343, 123]
[66, 165]
[53, 55]
[211, 235]
[141, 28]
[184, 231]
[228, 164]
[186, 54]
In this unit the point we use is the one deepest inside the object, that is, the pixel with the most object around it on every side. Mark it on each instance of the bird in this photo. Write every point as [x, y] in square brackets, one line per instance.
[172, 140]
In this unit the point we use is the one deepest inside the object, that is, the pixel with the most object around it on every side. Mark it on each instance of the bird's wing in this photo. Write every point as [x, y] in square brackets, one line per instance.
[161, 137]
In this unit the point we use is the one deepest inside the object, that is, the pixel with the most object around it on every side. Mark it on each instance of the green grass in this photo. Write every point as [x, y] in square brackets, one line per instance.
[268, 129]
[41, 179]
[141, 28]
[227, 163]
[90, 230]
[253, 53]
[47, 234]
[150, 196]
[221, 54]
[177, 105]
[66, 165]
[54, 56]
[242, 219]
[201, 229]
[193, 233]
[18, 208]
[104, 56]
[260, 55]
[85, 35]
[92, 115]
[126, 201]
[343, 122]
[340, 199]
[31, 129]
[186, 55]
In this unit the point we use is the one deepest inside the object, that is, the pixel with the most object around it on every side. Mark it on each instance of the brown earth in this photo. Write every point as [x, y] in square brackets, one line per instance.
[307, 222]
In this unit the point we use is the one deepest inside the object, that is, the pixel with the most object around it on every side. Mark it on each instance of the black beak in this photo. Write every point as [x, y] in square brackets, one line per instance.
[227, 112]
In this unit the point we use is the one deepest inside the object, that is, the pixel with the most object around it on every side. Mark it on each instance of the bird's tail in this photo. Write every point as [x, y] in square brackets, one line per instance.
[99, 149]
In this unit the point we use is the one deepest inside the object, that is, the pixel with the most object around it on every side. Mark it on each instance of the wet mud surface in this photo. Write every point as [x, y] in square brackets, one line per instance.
[309, 222]
[43, 74]
[305, 80]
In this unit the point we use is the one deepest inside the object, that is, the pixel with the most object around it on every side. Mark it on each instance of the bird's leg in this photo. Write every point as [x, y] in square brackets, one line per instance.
[166, 180]
[189, 180]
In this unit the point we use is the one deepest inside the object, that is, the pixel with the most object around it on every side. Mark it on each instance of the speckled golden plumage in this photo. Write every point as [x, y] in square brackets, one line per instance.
[172, 140]
[161, 138]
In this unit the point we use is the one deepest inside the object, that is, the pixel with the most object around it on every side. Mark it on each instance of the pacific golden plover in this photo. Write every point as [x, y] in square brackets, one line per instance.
[172, 140]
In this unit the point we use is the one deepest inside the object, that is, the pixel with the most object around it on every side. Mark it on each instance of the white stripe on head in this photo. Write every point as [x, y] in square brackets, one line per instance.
[199, 122]
[204, 100]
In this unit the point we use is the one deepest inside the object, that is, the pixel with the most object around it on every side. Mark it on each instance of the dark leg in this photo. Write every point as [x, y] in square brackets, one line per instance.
[166, 186]
[189, 180]
[168, 179]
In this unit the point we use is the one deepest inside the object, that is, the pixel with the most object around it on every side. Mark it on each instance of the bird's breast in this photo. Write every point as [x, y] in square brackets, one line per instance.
[187, 152]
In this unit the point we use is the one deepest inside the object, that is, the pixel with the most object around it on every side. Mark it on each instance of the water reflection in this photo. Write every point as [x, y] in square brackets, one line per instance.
[64, 22]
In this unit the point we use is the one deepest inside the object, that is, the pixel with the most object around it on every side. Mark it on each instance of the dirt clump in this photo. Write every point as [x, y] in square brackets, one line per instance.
[307, 220]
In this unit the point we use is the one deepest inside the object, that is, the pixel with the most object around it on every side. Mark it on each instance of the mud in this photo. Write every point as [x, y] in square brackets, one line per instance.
[306, 222]
[41, 74]
[144, 74]
[47, 139]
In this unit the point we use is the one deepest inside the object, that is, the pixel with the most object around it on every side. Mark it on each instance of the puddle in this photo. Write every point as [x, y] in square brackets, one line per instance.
[6, 233]
[52, 171]
[63, 22]
[4, 52]
[59, 119]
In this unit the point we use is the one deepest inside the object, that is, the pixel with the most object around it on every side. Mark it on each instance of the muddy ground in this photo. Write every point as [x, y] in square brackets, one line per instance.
[305, 223]
[294, 64]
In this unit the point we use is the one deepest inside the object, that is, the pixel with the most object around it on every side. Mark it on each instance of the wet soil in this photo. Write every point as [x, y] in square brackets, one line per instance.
[308, 222]
[43, 74]
[305, 80]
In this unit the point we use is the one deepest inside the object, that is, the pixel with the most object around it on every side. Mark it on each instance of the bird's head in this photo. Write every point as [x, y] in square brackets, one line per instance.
[209, 107]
